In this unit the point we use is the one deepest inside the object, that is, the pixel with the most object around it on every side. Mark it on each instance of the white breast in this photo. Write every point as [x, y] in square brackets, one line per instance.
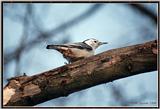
[82, 52]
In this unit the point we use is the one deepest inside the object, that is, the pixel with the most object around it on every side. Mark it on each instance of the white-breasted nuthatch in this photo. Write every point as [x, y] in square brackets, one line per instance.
[75, 51]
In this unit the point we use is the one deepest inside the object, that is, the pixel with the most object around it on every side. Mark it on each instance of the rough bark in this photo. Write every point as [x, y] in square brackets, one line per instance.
[102, 68]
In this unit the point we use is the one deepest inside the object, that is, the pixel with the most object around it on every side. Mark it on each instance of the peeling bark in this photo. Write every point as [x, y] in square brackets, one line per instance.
[102, 68]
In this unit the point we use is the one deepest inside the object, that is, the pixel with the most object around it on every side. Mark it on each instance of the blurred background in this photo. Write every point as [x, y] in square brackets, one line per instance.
[29, 27]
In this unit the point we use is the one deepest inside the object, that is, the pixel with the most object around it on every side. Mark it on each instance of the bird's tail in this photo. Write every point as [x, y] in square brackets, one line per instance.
[52, 47]
[59, 48]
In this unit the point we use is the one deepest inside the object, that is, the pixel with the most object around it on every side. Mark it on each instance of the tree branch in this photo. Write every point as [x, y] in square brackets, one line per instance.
[145, 11]
[102, 68]
[51, 33]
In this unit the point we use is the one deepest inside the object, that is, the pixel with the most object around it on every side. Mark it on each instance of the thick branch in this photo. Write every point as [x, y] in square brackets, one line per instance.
[102, 68]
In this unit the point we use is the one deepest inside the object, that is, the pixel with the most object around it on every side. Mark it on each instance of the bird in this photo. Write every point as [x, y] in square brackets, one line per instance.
[75, 51]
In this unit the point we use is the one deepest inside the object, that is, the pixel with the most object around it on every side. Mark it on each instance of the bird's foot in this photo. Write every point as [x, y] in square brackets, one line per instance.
[66, 63]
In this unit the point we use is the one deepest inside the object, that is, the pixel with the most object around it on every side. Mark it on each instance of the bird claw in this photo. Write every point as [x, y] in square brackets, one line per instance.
[66, 63]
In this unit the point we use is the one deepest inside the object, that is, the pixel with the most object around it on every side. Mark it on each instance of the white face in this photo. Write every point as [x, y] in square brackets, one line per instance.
[94, 43]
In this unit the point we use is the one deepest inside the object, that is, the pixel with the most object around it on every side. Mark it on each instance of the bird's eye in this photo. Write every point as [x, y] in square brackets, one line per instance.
[95, 41]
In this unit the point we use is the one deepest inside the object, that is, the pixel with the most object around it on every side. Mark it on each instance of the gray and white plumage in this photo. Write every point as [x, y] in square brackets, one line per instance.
[75, 51]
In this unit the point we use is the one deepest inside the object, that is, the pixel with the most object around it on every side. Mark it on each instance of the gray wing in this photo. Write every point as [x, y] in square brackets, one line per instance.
[79, 45]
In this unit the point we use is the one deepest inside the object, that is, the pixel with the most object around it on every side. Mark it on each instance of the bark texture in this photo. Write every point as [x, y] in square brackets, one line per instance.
[102, 68]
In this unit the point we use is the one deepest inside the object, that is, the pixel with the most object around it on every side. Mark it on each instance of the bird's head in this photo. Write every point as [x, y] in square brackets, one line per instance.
[94, 43]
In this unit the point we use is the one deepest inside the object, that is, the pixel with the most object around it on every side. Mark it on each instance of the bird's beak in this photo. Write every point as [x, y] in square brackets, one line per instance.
[101, 43]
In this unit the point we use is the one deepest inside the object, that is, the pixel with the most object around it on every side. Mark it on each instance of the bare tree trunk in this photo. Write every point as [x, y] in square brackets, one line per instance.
[102, 68]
